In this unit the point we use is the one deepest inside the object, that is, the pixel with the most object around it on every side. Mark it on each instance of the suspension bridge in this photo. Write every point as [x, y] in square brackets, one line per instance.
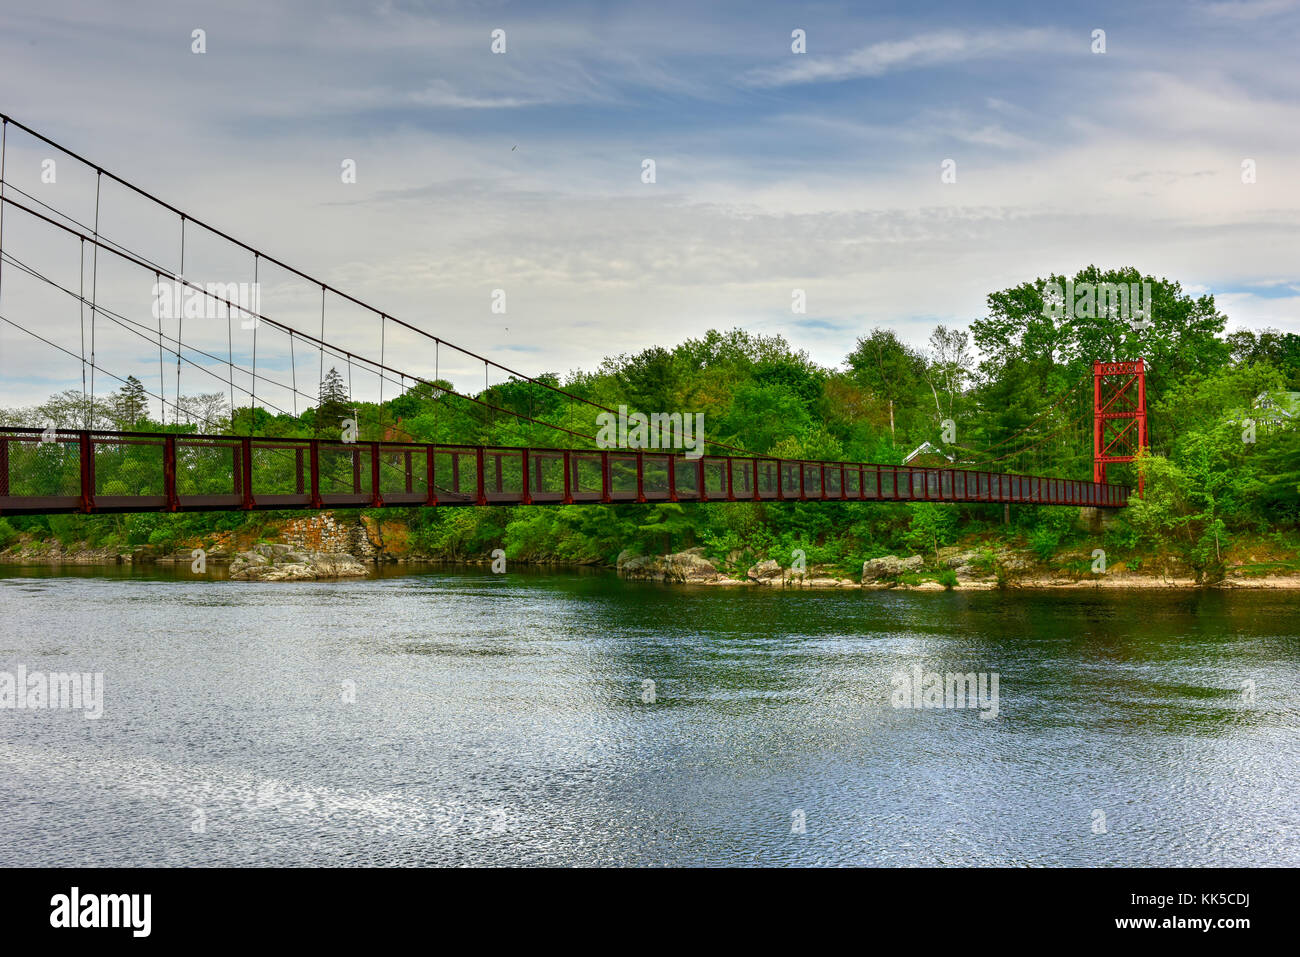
[46, 469]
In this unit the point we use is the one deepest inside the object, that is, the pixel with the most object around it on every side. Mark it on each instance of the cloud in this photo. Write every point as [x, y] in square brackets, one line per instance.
[441, 94]
[923, 50]
[775, 171]
[1250, 9]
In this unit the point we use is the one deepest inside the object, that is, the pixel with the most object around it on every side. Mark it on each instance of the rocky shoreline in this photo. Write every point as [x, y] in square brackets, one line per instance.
[952, 569]
[336, 554]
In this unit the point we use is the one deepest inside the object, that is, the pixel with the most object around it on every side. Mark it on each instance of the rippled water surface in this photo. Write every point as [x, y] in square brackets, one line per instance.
[501, 720]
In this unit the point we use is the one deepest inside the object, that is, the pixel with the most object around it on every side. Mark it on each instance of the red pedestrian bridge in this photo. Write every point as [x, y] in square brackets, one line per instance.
[52, 471]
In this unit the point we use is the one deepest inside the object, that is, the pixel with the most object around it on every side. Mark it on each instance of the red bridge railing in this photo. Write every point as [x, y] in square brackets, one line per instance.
[52, 471]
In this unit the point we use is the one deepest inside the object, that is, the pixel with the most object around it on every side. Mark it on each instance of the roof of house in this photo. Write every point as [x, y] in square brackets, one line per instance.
[924, 448]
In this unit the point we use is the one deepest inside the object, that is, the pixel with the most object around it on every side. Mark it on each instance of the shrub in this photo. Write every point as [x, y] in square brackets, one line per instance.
[1044, 541]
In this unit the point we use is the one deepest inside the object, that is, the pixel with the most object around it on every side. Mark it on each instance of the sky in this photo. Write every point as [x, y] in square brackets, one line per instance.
[524, 170]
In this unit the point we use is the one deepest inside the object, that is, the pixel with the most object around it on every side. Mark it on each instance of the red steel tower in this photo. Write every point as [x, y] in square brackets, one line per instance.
[1119, 410]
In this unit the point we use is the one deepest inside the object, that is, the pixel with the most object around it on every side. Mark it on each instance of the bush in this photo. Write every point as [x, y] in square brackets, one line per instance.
[163, 538]
[8, 534]
[932, 526]
[1044, 542]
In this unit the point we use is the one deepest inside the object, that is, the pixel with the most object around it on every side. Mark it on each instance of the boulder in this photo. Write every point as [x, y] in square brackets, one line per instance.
[279, 563]
[889, 567]
[640, 567]
[334, 565]
[767, 573]
[689, 567]
[271, 552]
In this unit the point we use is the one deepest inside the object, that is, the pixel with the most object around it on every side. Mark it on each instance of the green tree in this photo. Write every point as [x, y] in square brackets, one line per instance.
[128, 405]
[931, 527]
[892, 371]
[334, 404]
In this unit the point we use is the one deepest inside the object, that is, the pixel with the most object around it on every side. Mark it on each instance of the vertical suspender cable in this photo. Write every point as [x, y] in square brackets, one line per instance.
[94, 288]
[252, 395]
[293, 372]
[320, 380]
[81, 313]
[162, 375]
[4, 149]
[180, 325]
[230, 352]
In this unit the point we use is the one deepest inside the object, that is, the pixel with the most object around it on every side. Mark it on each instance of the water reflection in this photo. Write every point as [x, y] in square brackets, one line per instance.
[501, 719]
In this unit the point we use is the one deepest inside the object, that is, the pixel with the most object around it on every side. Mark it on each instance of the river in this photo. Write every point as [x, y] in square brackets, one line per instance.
[461, 717]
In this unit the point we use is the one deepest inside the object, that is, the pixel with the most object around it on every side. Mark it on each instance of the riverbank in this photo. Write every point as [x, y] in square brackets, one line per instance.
[326, 547]
[952, 568]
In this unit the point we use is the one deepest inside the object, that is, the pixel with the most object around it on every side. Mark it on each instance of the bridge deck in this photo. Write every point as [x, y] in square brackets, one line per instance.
[51, 471]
